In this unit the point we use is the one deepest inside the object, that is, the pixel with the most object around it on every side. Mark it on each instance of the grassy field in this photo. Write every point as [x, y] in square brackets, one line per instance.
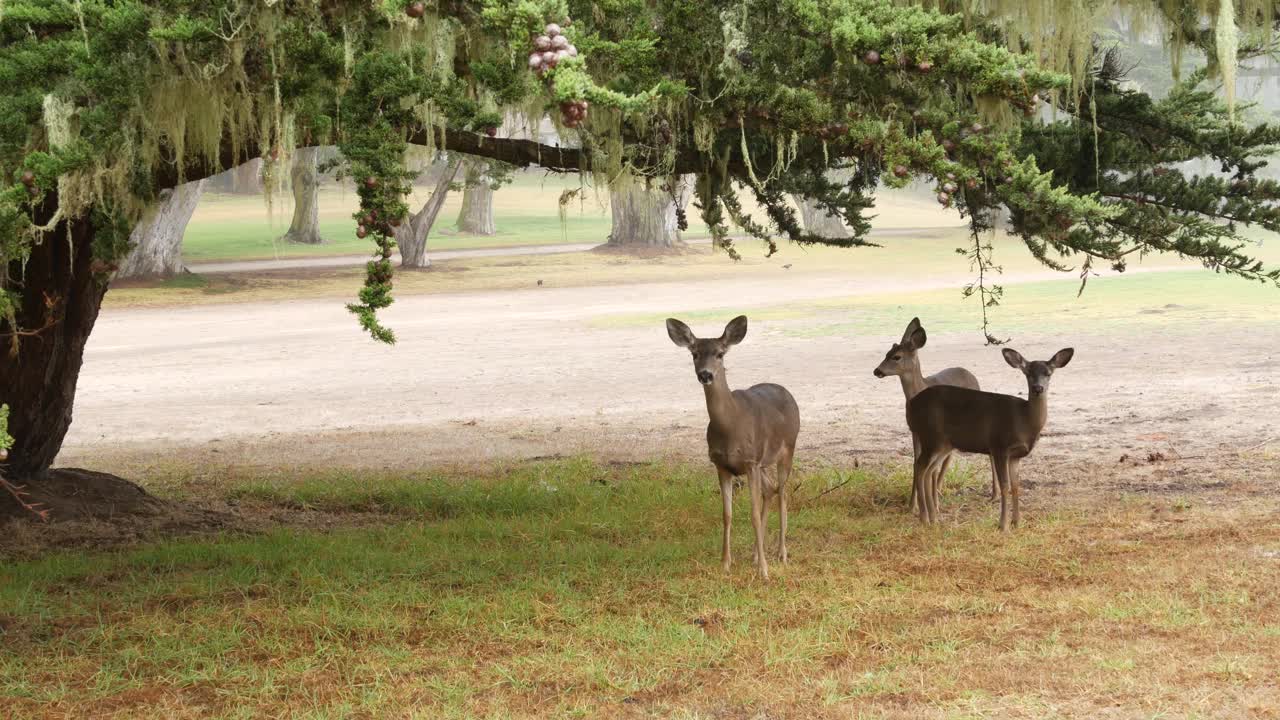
[526, 212]
[1181, 300]
[570, 589]
[929, 257]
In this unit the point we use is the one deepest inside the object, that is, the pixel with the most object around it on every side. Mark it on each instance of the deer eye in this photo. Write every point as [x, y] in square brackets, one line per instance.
[897, 357]
[720, 354]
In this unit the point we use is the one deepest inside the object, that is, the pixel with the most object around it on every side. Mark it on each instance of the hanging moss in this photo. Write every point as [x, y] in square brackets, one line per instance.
[107, 101]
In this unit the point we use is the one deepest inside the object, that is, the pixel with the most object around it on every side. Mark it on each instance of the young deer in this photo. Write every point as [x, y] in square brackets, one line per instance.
[946, 418]
[903, 360]
[752, 432]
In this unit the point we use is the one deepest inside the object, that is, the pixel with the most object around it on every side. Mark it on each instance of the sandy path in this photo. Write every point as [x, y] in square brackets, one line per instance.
[524, 373]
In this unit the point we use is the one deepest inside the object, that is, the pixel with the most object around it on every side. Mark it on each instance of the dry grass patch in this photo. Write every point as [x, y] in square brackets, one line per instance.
[568, 588]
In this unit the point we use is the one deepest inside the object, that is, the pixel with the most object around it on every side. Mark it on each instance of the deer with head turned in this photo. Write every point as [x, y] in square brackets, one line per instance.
[946, 418]
[903, 360]
[751, 433]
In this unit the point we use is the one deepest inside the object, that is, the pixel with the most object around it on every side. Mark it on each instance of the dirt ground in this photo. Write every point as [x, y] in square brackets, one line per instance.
[481, 376]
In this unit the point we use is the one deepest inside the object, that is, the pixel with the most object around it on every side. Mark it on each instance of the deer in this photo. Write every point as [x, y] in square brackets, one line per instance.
[945, 418]
[752, 433]
[903, 360]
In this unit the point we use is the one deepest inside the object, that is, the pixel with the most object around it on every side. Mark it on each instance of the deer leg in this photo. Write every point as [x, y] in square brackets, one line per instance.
[726, 498]
[1002, 470]
[915, 450]
[917, 486]
[930, 490]
[937, 479]
[758, 515]
[784, 474]
[1016, 484]
[995, 482]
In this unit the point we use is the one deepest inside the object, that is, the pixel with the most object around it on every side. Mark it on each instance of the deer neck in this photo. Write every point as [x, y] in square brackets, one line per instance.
[1038, 410]
[721, 405]
[913, 380]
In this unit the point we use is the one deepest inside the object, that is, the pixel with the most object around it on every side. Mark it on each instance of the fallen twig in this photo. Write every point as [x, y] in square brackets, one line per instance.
[830, 489]
[19, 492]
[1264, 443]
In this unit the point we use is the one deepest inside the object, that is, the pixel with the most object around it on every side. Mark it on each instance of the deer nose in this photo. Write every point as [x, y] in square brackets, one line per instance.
[877, 373]
[1037, 389]
[705, 377]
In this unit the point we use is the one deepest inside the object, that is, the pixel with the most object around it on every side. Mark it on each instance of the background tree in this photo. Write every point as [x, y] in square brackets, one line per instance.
[411, 236]
[475, 217]
[108, 102]
[646, 217]
[819, 221]
[304, 180]
[156, 241]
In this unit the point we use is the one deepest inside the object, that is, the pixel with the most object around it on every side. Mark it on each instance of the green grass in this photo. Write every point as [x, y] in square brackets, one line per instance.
[571, 589]
[1175, 299]
[526, 212]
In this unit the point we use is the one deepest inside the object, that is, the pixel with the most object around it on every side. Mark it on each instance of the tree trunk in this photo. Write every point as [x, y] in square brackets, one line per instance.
[305, 228]
[644, 217]
[412, 236]
[157, 240]
[60, 299]
[246, 179]
[819, 221]
[476, 216]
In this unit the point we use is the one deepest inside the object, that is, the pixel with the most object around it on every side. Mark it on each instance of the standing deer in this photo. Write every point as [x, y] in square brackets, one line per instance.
[903, 360]
[752, 432]
[946, 418]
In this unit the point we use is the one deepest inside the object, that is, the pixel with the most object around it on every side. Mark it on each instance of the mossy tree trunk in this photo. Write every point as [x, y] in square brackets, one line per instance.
[412, 235]
[643, 217]
[305, 179]
[157, 240]
[476, 216]
[62, 289]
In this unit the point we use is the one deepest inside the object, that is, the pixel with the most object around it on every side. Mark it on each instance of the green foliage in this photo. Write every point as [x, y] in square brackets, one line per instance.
[108, 102]
[1131, 165]
[6, 440]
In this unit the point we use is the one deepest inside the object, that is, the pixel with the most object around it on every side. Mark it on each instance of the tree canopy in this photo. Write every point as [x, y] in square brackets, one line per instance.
[112, 101]
[109, 102]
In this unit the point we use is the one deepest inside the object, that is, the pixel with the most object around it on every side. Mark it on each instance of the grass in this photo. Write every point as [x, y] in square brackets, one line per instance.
[526, 212]
[1182, 300]
[571, 589]
[904, 260]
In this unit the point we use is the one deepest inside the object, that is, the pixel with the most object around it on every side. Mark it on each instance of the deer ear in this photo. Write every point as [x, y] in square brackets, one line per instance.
[735, 331]
[918, 338]
[1014, 358]
[911, 329]
[1062, 357]
[679, 333]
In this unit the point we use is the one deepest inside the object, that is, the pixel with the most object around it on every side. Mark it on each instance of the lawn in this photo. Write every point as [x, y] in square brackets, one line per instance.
[571, 589]
[526, 212]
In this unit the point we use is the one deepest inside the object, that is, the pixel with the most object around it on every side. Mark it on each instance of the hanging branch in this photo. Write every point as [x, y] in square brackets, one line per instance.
[979, 256]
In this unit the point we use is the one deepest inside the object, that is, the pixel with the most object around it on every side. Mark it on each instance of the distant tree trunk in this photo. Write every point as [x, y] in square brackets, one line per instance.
[644, 217]
[819, 221]
[305, 228]
[246, 179]
[412, 235]
[476, 216]
[157, 240]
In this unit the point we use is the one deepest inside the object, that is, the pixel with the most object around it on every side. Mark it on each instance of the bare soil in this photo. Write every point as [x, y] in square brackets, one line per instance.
[482, 376]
